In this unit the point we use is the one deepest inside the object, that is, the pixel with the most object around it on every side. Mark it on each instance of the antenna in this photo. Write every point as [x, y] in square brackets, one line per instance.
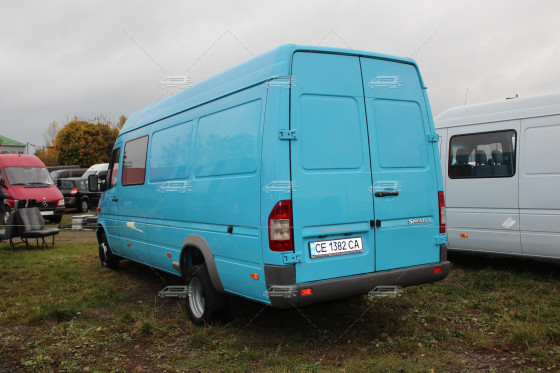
[511, 98]
[466, 95]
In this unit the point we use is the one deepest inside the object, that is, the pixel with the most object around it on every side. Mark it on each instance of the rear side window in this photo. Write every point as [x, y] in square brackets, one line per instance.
[227, 141]
[169, 153]
[482, 155]
[67, 184]
[134, 161]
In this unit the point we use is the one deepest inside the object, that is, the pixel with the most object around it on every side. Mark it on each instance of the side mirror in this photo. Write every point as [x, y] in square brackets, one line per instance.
[93, 183]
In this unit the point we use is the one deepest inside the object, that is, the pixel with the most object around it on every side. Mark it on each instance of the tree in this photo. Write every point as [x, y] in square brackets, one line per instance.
[48, 153]
[120, 123]
[84, 143]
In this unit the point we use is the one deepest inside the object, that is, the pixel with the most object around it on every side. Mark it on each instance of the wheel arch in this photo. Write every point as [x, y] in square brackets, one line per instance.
[194, 249]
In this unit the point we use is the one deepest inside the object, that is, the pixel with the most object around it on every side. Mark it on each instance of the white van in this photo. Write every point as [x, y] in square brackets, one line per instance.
[502, 176]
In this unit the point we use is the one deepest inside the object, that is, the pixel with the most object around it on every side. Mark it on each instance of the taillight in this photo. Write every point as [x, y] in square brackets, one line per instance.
[74, 191]
[442, 217]
[280, 235]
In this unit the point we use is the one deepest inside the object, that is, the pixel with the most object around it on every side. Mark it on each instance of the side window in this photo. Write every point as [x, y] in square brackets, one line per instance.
[134, 161]
[113, 176]
[486, 154]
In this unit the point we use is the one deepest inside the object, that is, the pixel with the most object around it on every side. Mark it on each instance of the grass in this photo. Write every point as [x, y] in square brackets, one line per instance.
[59, 310]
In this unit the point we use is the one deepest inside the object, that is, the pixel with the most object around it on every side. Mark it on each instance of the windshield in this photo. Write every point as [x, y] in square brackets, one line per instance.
[92, 172]
[28, 176]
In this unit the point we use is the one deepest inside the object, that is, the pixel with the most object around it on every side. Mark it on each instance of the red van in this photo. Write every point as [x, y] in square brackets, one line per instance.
[26, 177]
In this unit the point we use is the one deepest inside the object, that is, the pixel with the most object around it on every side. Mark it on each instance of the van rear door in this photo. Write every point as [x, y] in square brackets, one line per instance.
[348, 148]
[330, 168]
[403, 155]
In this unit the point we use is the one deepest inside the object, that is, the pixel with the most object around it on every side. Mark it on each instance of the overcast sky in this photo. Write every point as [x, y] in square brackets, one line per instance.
[60, 59]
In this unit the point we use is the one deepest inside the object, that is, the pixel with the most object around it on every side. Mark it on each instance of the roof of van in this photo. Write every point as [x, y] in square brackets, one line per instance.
[273, 64]
[8, 160]
[518, 108]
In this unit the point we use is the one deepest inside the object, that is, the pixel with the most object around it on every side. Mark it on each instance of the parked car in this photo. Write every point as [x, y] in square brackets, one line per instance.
[335, 237]
[66, 173]
[77, 194]
[26, 177]
[502, 176]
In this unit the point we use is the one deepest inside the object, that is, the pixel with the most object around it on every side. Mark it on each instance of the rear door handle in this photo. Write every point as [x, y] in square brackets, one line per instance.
[114, 199]
[386, 194]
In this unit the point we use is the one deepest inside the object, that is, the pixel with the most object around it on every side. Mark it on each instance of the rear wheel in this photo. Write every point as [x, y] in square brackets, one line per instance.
[204, 304]
[106, 256]
[84, 205]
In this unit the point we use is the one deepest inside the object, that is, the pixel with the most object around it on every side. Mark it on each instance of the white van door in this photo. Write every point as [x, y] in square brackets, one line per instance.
[539, 186]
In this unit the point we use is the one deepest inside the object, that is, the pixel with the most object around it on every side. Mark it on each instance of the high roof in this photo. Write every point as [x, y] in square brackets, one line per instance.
[273, 64]
[500, 110]
[9, 142]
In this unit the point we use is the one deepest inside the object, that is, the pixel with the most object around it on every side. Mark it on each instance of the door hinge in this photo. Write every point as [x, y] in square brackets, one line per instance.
[291, 258]
[432, 137]
[287, 135]
[441, 239]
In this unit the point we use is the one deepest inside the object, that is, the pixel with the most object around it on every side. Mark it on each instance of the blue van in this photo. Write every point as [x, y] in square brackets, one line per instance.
[368, 210]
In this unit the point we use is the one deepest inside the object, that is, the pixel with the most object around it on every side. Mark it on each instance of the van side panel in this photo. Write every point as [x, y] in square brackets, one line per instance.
[539, 186]
[483, 207]
[275, 163]
[215, 192]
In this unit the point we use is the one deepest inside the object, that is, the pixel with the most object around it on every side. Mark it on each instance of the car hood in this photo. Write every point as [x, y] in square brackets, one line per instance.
[40, 193]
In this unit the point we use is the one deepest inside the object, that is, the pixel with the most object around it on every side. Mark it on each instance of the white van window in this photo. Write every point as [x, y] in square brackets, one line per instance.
[479, 155]
[114, 169]
[134, 161]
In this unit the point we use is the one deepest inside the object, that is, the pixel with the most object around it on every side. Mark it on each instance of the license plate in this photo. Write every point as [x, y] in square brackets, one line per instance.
[336, 247]
[47, 213]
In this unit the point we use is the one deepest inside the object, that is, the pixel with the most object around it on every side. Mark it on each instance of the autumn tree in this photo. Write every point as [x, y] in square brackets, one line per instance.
[85, 143]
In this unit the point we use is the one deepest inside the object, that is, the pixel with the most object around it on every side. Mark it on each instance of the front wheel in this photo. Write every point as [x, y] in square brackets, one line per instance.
[6, 215]
[204, 304]
[106, 256]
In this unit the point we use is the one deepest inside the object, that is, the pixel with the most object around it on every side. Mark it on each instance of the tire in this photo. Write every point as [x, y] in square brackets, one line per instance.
[84, 205]
[106, 256]
[6, 214]
[204, 304]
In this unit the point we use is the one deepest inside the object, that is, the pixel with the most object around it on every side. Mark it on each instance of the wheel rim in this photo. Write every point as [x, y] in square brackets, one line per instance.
[6, 216]
[196, 299]
[84, 206]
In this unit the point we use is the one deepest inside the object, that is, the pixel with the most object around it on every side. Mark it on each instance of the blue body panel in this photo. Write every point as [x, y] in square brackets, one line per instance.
[216, 165]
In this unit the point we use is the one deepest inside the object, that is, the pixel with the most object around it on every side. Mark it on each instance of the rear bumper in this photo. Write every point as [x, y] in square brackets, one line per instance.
[70, 201]
[284, 293]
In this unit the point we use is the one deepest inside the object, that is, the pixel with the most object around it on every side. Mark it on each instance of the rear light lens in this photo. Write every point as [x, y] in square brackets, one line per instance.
[280, 234]
[442, 217]
[74, 191]
[437, 270]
